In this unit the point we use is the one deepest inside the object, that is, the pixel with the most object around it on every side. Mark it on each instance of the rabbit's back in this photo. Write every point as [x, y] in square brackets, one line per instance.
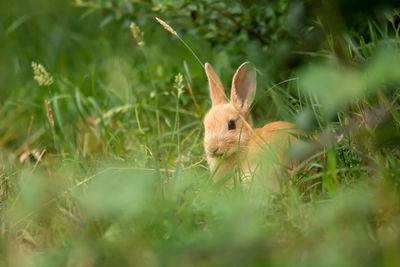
[277, 131]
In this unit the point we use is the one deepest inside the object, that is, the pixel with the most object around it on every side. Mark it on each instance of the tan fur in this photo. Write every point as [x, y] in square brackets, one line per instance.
[243, 146]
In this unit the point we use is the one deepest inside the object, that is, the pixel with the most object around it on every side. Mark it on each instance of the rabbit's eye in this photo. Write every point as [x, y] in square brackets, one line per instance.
[231, 125]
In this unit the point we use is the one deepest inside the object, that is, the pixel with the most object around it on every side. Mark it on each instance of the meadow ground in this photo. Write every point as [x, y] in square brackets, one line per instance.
[101, 155]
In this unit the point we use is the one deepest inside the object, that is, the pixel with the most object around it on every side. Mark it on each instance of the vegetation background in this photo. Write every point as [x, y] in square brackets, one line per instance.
[101, 158]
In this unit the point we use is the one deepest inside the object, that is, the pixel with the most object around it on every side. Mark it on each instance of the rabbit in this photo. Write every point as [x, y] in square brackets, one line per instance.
[230, 141]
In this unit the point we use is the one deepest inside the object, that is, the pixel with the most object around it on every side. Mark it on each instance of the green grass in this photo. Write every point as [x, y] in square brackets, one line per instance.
[124, 179]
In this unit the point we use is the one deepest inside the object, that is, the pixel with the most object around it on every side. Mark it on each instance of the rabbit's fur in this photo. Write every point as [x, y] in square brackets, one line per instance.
[230, 140]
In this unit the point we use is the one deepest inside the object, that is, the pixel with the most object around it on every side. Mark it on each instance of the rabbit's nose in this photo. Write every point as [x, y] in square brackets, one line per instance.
[213, 151]
[217, 153]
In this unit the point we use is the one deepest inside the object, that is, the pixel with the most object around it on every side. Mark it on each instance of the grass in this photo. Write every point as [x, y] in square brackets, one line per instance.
[124, 180]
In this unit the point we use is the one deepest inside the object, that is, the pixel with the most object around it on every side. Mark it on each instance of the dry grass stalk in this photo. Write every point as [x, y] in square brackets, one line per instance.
[194, 98]
[167, 27]
[49, 112]
[34, 156]
[29, 133]
[39, 158]
[1, 187]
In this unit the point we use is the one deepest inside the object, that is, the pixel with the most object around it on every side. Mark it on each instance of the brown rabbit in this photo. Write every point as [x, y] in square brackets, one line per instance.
[231, 142]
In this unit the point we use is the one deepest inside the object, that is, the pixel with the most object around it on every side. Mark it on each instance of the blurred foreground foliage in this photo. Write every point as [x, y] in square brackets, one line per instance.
[101, 158]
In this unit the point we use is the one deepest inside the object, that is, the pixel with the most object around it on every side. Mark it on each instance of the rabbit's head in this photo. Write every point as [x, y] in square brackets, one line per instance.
[226, 132]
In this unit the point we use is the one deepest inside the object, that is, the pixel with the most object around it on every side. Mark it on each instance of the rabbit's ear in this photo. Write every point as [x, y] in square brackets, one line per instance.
[217, 91]
[244, 86]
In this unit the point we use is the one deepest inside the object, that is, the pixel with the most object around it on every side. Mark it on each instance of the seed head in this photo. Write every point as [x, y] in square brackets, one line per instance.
[178, 84]
[167, 27]
[41, 75]
[137, 33]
